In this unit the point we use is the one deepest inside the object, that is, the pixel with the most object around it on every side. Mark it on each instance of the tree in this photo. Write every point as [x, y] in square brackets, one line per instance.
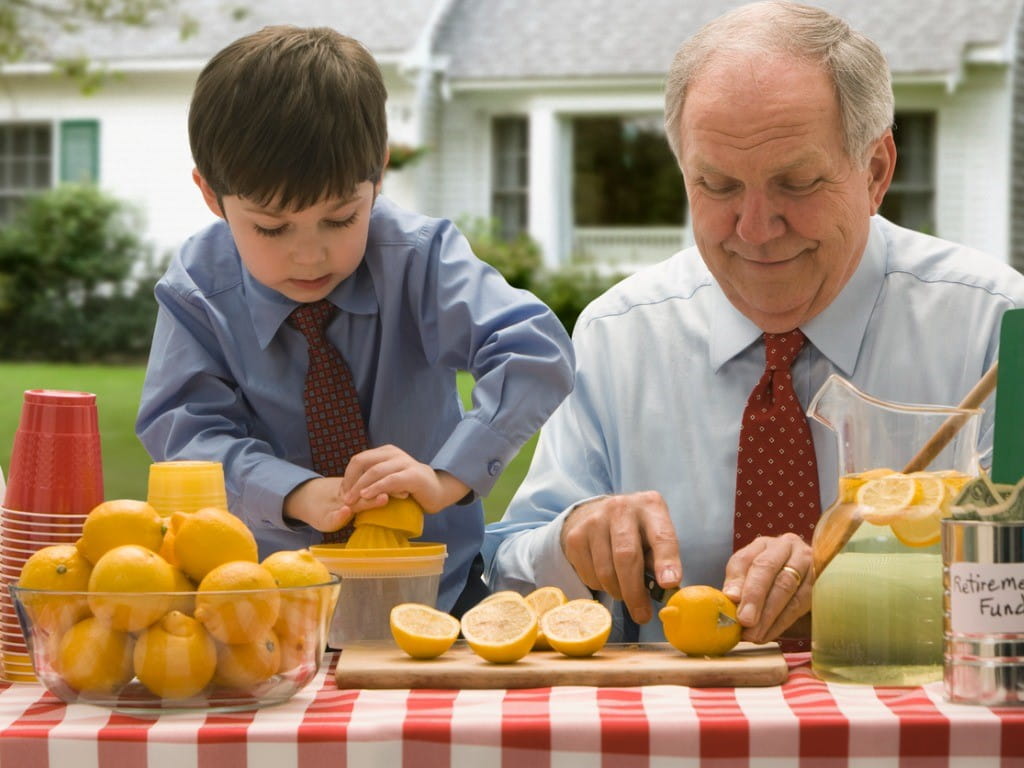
[26, 26]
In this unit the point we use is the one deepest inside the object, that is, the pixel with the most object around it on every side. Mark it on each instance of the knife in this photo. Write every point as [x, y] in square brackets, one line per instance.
[662, 595]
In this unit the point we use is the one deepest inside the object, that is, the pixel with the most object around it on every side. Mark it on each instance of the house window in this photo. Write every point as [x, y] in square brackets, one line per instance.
[33, 155]
[624, 174]
[910, 200]
[26, 163]
[510, 195]
[629, 201]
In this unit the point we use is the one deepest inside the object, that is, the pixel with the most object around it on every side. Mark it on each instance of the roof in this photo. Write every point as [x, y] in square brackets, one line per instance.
[570, 38]
[550, 39]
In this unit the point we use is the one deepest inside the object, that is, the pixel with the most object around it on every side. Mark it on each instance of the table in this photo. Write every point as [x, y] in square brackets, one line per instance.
[803, 722]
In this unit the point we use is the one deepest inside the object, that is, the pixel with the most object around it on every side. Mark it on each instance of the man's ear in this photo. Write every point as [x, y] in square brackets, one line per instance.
[209, 196]
[881, 166]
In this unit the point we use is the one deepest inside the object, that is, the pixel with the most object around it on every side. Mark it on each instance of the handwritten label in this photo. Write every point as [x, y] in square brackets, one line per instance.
[986, 597]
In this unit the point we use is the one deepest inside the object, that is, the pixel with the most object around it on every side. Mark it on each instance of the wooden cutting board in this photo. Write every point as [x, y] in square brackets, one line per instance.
[618, 665]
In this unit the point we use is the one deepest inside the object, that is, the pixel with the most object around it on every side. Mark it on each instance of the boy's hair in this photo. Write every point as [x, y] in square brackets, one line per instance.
[289, 117]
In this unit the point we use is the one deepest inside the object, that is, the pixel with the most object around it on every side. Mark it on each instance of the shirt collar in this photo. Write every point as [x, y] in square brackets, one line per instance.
[269, 308]
[837, 332]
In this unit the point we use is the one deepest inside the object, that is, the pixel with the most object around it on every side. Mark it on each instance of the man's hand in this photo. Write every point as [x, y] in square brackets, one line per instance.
[374, 475]
[770, 579]
[319, 503]
[609, 542]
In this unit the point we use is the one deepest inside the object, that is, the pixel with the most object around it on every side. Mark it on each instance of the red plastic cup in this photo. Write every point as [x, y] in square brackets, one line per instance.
[56, 461]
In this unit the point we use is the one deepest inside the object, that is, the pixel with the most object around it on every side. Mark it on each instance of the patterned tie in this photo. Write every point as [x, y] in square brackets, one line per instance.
[776, 470]
[333, 416]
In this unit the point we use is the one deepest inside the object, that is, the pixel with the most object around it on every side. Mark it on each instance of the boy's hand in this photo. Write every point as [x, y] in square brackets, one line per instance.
[374, 475]
[319, 502]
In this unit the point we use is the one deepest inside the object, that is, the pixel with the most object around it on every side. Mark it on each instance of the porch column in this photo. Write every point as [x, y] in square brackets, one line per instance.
[544, 184]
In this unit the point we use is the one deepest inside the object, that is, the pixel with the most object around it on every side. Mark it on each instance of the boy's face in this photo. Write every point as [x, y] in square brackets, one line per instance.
[301, 254]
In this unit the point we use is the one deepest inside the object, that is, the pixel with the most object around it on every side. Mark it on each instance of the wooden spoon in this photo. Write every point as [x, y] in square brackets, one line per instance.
[844, 518]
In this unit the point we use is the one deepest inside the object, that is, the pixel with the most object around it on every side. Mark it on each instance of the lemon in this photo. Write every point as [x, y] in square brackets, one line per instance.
[849, 484]
[184, 601]
[245, 665]
[930, 496]
[691, 621]
[118, 522]
[210, 537]
[61, 568]
[405, 516]
[121, 584]
[176, 657]
[236, 617]
[300, 652]
[542, 600]
[93, 657]
[577, 628]
[421, 631]
[369, 536]
[503, 594]
[501, 629]
[883, 499]
[300, 608]
[917, 531]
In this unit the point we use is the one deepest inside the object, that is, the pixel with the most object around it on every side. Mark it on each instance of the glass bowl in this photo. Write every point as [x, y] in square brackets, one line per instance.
[177, 651]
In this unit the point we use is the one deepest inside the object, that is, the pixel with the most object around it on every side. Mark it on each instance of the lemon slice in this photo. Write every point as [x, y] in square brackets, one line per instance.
[543, 600]
[850, 484]
[917, 531]
[578, 628]
[929, 497]
[501, 629]
[883, 499]
[421, 631]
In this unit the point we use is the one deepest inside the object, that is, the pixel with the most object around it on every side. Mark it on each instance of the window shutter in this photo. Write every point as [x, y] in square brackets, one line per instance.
[80, 151]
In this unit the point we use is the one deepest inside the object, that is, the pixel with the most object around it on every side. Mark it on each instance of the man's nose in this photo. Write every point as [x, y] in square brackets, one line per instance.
[758, 220]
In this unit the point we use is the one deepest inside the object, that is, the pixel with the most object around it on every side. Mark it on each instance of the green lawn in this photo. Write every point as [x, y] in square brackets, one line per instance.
[125, 462]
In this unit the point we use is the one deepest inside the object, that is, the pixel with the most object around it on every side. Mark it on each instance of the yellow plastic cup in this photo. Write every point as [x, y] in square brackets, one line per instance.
[185, 486]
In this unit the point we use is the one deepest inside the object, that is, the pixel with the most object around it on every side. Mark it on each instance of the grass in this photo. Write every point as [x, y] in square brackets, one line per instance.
[125, 461]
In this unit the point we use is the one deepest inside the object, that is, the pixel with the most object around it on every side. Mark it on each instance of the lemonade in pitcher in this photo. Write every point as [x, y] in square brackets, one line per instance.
[878, 606]
[877, 602]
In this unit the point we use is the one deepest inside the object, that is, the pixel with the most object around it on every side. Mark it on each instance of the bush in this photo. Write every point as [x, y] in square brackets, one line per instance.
[67, 289]
[567, 291]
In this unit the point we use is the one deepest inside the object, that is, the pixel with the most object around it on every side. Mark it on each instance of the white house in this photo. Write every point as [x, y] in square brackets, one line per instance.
[542, 114]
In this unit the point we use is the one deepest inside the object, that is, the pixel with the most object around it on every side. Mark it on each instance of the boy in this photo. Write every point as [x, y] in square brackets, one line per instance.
[289, 137]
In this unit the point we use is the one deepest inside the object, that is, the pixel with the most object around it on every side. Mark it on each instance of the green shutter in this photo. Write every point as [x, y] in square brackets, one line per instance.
[80, 151]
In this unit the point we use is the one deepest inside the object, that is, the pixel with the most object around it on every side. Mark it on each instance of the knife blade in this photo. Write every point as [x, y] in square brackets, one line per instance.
[662, 594]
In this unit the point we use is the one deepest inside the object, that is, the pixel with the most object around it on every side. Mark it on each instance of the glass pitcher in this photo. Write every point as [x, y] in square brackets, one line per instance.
[877, 605]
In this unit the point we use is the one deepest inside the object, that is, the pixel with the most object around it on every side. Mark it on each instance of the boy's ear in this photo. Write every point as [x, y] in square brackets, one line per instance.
[209, 196]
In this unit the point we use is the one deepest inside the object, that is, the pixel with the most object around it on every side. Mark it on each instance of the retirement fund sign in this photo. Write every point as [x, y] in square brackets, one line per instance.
[986, 598]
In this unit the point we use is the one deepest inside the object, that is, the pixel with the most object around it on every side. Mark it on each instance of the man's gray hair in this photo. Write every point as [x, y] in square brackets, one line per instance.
[859, 71]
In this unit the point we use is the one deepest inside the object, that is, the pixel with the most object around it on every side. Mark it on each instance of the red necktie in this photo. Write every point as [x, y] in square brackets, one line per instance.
[776, 471]
[333, 416]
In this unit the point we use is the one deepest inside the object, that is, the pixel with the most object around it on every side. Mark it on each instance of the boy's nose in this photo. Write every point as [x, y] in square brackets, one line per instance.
[309, 252]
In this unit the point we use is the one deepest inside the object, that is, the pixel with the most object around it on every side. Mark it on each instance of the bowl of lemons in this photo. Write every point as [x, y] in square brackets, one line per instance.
[147, 613]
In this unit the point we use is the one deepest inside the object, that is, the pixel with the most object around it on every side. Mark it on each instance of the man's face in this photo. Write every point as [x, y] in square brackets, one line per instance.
[301, 254]
[780, 213]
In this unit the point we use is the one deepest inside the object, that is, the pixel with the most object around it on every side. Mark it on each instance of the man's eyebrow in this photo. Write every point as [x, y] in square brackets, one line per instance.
[796, 164]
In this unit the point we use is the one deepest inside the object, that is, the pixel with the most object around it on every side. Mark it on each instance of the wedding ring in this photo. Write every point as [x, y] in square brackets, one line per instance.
[794, 572]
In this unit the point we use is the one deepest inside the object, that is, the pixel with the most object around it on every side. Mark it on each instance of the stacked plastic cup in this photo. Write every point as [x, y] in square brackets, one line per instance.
[54, 480]
[185, 486]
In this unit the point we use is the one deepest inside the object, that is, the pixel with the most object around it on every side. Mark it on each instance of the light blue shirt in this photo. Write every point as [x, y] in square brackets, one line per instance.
[226, 373]
[665, 365]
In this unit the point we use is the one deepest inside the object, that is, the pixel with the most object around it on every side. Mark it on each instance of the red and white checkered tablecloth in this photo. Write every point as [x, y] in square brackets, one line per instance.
[803, 722]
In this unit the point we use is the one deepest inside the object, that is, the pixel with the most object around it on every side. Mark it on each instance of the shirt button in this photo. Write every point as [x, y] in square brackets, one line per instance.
[494, 468]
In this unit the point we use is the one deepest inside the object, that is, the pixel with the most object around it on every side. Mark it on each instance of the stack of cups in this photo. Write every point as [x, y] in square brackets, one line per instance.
[185, 486]
[55, 479]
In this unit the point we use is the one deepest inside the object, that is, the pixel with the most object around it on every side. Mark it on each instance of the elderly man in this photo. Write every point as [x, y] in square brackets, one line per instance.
[781, 118]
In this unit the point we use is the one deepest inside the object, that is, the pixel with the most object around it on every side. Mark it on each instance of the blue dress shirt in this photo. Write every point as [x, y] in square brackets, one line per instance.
[225, 376]
[664, 368]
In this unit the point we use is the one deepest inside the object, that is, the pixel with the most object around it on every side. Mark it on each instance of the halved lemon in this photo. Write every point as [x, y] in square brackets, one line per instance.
[578, 628]
[543, 600]
[883, 499]
[501, 629]
[421, 631]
